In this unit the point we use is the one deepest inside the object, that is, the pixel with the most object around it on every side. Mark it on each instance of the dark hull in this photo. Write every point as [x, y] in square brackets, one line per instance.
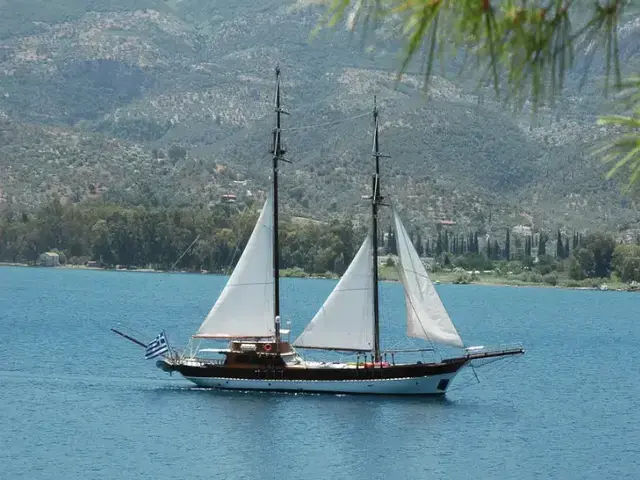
[319, 373]
[407, 379]
[416, 379]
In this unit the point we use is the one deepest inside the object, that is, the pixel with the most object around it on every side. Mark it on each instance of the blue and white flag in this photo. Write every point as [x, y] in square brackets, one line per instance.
[157, 347]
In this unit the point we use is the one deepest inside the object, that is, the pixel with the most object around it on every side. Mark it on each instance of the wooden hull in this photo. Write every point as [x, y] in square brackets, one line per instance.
[413, 379]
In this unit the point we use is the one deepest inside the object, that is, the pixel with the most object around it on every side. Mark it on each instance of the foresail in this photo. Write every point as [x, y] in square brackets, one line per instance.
[345, 320]
[245, 306]
[426, 316]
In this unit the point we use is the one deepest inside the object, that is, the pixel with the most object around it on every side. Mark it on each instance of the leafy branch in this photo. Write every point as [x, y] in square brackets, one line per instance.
[526, 47]
[624, 152]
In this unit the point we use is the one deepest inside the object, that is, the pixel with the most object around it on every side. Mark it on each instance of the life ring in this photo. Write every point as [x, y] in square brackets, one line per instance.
[267, 347]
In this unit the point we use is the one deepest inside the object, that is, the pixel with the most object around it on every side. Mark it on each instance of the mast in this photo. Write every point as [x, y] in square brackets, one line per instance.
[278, 154]
[376, 199]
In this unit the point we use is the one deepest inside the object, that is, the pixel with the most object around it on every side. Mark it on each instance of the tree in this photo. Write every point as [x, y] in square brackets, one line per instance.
[177, 153]
[392, 248]
[507, 246]
[626, 262]
[419, 245]
[559, 247]
[601, 246]
[542, 246]
[582, 264]
[495, 251]
[439, 247]
[525, 49]
[101, 242]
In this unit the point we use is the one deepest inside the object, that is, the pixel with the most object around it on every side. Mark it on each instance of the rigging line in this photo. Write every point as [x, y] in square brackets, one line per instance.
[185, 252]
[235, 250]
[507, 361]
[493, 372]
[334, 122]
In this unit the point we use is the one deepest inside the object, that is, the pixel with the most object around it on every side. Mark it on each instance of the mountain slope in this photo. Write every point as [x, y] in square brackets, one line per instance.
[102, 98]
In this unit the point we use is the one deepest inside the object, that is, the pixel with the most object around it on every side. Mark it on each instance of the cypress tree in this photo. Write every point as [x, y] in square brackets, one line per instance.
[559, 248]
[391, 243]
[566, 248]
[496, 250]
[542, 246]
[419, 246]
[507, 246]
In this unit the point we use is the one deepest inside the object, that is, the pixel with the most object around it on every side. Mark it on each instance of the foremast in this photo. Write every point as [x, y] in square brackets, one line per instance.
[278, 155]
[376, 200]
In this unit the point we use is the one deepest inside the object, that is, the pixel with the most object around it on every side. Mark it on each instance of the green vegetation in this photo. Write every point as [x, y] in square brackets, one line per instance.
[596, 260]
[156, 238]
[168, 104]
[526, 50]
[212, 239]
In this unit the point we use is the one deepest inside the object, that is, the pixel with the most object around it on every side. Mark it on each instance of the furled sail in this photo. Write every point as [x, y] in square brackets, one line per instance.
[345, 320]
[426, 316]
[245, 306]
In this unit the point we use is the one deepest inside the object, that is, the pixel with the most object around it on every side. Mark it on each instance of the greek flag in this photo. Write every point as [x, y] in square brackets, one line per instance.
[157, 347]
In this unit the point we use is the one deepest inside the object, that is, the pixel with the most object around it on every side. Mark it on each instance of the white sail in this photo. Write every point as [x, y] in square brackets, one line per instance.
[426, 316]
[345, 320]
[245, 306]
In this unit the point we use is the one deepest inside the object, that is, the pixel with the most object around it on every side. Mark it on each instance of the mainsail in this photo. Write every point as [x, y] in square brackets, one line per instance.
[245, 306]
[345, 320]
[426, 316]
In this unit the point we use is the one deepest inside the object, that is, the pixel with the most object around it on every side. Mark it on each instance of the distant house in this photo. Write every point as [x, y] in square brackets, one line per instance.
[49, 259]
[447, 223]
[521, 230]
[229, 198]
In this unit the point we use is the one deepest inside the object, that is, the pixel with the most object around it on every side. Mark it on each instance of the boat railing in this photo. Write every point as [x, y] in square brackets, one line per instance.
[483, 351]
[198, 361]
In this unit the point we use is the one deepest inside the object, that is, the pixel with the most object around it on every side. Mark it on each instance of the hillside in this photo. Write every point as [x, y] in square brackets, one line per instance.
[153, 102]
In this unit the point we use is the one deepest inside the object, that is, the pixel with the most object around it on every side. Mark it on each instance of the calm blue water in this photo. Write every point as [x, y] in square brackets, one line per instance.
[76, 401]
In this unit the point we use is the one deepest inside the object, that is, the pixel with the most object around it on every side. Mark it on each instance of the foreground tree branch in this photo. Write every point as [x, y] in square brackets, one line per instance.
[525, 47]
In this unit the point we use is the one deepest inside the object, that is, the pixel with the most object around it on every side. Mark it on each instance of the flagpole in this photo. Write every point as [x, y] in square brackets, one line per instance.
[131, 339]
[143, 345]
[166, 339]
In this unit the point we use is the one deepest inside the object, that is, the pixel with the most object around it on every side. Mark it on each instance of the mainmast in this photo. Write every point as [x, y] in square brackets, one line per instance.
[278, 154]
[376, 199]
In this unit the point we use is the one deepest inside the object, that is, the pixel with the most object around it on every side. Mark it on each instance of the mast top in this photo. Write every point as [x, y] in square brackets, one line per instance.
[278, 151]
[375, 108]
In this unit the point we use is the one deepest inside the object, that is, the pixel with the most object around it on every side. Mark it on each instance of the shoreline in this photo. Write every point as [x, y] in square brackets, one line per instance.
[438, 278]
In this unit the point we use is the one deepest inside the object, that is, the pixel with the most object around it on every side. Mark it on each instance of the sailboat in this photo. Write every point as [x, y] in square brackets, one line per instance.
[247, 314]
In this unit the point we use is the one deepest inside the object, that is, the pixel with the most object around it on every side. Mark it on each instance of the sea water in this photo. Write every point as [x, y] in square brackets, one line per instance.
[78, 402]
